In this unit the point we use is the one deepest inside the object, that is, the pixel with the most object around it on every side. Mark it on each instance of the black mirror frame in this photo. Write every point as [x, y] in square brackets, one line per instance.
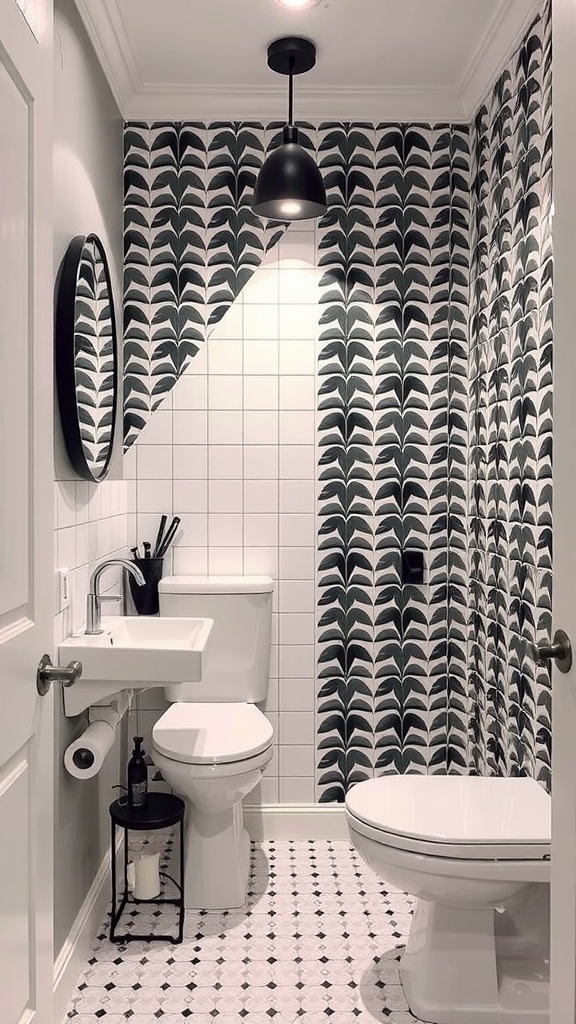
[65, 352]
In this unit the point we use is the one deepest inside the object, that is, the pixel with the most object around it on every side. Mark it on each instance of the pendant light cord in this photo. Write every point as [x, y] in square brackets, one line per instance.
[291, 92]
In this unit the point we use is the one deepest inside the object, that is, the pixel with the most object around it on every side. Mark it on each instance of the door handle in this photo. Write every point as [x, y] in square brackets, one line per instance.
[559, 650]
[48, 673]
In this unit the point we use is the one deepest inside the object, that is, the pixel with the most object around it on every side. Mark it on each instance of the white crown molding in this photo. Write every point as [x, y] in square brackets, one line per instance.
[147, 101]
[217, 103]
[500, 39]
[108, 36]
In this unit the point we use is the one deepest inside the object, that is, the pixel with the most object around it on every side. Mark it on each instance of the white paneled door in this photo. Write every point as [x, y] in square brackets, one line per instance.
[26, 473]
[563, 962]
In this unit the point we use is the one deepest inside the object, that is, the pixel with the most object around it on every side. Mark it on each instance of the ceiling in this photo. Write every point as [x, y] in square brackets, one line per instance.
[377, 59]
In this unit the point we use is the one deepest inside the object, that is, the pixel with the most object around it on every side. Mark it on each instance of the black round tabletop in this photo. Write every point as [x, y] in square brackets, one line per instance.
[161, 811]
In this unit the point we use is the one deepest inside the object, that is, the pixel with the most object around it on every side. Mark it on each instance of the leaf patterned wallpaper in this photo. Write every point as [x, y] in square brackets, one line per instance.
[510, 370]
[394, 252]
[191, 242]
[433, 412]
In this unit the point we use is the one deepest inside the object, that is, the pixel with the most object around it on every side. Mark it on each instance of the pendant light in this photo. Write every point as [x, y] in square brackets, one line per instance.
[290, 186]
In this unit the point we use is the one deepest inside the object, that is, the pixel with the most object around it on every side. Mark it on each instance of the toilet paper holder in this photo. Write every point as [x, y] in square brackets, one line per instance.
[84, 757]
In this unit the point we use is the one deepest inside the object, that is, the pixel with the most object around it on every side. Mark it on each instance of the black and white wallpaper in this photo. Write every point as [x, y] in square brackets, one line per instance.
[510, 386]
[433, 409]
[394, 252]
[191, 242]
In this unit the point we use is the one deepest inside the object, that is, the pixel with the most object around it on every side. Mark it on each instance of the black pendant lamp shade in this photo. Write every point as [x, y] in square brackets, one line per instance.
[290, 186]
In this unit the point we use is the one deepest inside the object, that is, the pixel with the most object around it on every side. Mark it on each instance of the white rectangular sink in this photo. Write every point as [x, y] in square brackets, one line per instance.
[134, 653]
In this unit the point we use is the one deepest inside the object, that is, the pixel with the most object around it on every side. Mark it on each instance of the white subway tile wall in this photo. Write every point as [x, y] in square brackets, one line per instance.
[234, 455]
[91, 523]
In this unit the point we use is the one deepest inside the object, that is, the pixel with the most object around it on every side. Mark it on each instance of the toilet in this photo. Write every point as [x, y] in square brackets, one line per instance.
[475, 852]
[213, 743]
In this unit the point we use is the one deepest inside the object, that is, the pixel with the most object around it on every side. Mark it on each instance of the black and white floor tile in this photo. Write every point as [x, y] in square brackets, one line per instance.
[318, 941]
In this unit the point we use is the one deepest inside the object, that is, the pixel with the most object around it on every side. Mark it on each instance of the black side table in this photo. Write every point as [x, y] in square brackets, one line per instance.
[162, 810]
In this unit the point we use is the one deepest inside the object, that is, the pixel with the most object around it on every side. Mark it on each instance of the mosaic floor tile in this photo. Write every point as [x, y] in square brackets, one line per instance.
[318, 942]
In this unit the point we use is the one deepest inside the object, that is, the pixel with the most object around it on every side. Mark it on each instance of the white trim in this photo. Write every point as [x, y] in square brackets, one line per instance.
[72, 958]
[108, 36]
[139, 100]
[501, 39]
[295, 821]
[215, 102]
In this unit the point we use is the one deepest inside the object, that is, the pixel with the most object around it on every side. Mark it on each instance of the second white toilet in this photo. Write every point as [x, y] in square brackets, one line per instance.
[213, 742]
[475, 852]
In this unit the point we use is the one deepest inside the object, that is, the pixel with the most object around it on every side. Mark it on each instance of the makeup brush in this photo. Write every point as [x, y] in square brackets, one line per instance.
[159, 535]
[169, 536]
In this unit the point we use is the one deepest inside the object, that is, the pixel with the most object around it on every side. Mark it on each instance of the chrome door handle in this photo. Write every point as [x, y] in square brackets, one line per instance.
[48, 673]
[560, 651]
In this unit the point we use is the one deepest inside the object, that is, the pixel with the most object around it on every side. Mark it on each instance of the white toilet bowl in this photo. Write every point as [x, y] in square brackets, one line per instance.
[213, 755]
[213, 743]
[475, 853]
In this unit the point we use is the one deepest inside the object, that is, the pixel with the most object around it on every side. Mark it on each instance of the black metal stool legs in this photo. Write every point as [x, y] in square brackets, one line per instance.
[182, 879]
[162, 811]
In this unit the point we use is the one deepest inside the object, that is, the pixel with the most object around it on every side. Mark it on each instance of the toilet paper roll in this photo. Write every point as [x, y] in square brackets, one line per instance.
[85, 756]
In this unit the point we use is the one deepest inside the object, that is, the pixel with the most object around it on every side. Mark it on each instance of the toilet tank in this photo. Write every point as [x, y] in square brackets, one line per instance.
[238, 662]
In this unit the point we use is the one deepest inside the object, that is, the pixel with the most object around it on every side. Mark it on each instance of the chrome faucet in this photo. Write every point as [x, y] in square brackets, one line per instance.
[94, 597]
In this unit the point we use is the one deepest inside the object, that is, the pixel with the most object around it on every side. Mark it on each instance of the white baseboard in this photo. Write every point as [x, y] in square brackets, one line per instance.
[295, 821]
[74, 954]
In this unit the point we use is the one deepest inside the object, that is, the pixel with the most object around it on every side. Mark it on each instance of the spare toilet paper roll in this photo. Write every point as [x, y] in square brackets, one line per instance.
[144, 876]
[85, 756]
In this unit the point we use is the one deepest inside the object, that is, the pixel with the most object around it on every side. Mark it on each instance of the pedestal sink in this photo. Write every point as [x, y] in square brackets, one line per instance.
[135, 653]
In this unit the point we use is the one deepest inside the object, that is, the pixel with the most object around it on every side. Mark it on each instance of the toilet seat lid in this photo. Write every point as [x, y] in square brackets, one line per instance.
[212, 733]
[456, 810]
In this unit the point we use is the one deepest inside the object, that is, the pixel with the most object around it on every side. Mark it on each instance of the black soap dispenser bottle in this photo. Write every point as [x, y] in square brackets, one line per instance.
[137, 777]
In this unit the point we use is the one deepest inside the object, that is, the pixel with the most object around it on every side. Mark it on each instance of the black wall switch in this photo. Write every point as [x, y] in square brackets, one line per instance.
[413, 567]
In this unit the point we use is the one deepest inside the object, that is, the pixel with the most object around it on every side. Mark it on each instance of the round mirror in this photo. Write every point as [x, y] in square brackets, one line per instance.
[86, 357]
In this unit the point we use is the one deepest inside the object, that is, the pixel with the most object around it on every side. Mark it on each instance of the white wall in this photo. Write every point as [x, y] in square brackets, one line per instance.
[232, 451]
[91, 519]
